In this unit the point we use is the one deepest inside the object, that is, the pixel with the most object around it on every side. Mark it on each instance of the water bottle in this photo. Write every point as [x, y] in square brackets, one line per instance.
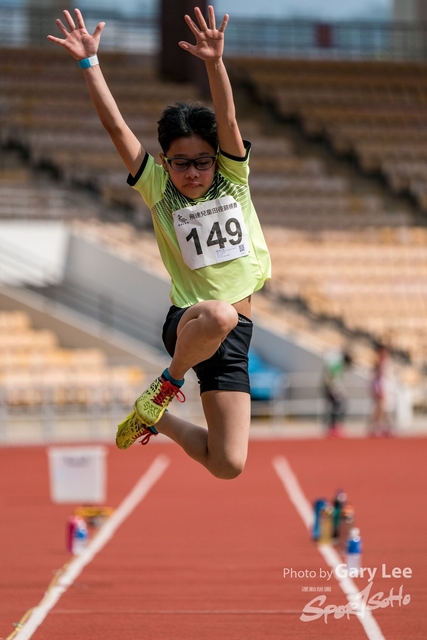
[318, 506]
[80, 536]
[346, 524]
[326, 524]
[354, 553]
[339, 504]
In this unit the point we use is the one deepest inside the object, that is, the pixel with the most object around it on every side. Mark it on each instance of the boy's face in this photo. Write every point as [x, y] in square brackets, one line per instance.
[192, 183]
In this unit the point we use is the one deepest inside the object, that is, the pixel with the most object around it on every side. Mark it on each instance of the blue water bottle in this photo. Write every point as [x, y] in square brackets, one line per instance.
[354, 553]
[80, 536]
[319, 505]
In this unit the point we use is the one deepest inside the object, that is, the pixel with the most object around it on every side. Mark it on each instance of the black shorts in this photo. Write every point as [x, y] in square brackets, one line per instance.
[227, 369]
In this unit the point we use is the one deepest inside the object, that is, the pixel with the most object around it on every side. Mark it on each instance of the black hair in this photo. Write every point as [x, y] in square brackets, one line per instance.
[380, 346]
[184, 120]
[348, 358]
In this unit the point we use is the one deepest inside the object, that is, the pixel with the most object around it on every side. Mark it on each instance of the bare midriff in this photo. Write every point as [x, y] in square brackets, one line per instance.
[244, 307]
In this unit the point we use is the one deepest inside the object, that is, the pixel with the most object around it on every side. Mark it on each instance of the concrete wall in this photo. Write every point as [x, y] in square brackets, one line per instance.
[92, 267]
[32, 252]
[76, 331]
[282, 352]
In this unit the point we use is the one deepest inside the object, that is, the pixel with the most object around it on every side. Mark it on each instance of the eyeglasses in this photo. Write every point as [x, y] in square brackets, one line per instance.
[182, 164]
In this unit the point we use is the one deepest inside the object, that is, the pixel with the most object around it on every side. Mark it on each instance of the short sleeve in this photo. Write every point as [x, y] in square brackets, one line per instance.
[149, 180]
[234, 168]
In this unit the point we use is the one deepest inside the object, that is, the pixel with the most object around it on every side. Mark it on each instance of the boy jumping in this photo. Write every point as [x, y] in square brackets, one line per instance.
[210, 241]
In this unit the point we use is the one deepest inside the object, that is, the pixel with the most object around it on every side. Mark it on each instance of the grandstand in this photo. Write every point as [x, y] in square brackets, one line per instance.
[373, 111]
[366, 267]
[33, 364]
[349, 251]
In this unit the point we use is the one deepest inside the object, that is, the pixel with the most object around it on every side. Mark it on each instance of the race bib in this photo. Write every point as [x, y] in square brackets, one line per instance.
[211, 232]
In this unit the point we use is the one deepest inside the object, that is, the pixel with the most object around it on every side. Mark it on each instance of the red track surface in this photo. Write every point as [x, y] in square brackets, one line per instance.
[203, 558]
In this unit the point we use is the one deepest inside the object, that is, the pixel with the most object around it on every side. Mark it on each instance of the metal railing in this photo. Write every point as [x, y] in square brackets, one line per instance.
[94, 419]
[336, 40]
[301, 395]
[20, 27]
[363, 40]
[100, 407]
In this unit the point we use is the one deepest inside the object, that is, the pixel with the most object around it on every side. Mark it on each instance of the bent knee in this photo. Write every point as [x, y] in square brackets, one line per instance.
[221, 317]
[228, 469]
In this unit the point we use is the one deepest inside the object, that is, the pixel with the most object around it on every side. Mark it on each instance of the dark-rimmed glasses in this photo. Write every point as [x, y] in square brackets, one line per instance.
[182, 164]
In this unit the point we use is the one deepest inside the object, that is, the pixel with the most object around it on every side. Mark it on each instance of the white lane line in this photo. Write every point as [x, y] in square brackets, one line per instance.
[107, 531]
[305, 510]
[178, 612]
[293, 488]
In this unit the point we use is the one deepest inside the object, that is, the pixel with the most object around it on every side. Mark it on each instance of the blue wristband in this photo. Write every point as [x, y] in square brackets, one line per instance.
[88, 62]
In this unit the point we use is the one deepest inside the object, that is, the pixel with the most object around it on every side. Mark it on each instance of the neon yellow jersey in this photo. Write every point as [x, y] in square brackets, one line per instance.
[226, 230]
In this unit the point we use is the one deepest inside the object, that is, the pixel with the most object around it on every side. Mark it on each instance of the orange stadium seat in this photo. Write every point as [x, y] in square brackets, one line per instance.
[34, 369]
[363, 108]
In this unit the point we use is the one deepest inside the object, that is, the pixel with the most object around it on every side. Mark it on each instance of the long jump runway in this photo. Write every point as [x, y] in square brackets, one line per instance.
[188, 556]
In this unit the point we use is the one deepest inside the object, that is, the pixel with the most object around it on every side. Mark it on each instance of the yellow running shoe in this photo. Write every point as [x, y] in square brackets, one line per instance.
[152, 404]
[131, 429]
[149, 408]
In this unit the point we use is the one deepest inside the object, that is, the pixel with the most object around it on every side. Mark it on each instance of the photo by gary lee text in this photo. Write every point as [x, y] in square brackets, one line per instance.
[341, 571]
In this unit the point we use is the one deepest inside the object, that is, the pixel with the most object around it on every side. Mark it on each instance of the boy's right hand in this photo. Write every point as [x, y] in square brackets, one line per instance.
[78, 42]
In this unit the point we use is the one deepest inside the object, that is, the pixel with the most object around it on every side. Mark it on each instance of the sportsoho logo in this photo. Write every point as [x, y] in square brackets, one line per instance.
[360, 602]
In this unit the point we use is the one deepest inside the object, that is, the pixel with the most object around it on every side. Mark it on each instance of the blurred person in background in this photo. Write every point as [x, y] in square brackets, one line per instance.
[383, 394]
[334, 391]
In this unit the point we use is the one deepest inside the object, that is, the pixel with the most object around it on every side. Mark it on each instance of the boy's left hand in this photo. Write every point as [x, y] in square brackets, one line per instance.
[209, 40]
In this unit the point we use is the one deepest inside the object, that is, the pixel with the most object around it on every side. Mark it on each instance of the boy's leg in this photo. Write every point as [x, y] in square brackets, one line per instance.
[222, 447]
[200, 331]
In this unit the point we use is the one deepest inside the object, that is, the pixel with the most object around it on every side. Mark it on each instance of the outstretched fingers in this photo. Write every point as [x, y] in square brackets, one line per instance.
[196, 30]
[211, 15]
[192, 25]
[98, 30]
[201, 20]
[55, 39]
[209, 39]
[76, 39]
[63, 29]
[224, 23]
[61, 26]
[79, 19]
[212, 20]
[69, 20]
[71, 23]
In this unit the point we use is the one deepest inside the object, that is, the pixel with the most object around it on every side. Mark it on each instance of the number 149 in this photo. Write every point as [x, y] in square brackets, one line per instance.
[216, 237]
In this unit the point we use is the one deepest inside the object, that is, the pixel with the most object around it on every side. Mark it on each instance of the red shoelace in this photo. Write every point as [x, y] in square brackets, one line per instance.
[146, 438]
[168, 390]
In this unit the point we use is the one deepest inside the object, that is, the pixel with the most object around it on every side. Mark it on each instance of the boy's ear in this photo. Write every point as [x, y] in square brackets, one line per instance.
[163, 161]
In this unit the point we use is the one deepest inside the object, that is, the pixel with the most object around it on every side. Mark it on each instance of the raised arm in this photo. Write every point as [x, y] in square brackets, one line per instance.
[80, 45]
[210, 47]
